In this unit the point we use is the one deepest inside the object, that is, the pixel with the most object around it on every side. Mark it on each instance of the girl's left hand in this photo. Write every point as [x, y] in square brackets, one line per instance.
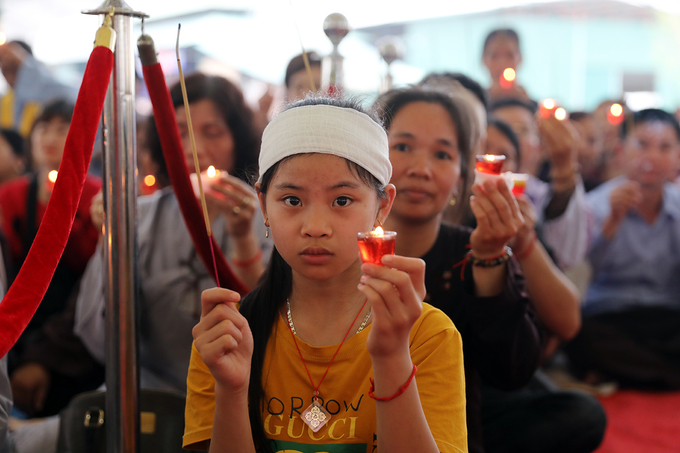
[395, 292]
[236, 200]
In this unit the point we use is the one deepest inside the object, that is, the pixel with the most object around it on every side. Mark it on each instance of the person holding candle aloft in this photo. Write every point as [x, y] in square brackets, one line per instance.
[172, 275]
[299, 335]
[502, 56]
[561, 207]
[556, 303]
[554, 297]
[49, 364]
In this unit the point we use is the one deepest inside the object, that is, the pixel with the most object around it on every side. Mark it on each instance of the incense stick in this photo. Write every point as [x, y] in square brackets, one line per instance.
[195, 155]
[304, 52]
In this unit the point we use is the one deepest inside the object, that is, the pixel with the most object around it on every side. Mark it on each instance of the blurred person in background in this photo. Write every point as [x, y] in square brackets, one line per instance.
[590, 149]
[632, 309]
[614, 161]
[172, 275]
[31, 84]
[13, 159]
[501, 51]
[297, 79]
[561, 209]
[539, 417]
[49, 365]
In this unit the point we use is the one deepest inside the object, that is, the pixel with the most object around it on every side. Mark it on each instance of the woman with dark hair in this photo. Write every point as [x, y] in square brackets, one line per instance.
[298, 340]
[468, 273]
[225, 134]
[172, 275]
[49, 365]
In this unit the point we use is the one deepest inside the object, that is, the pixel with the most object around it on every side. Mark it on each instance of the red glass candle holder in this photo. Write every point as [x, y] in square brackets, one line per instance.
[490, 164]
[208, 178]
[520, 180]
[374, 244]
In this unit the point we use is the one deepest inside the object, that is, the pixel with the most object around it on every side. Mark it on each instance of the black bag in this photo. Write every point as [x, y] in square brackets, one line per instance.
[83, 423]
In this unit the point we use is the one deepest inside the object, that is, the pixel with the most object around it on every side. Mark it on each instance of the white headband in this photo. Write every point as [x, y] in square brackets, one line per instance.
[327, 129]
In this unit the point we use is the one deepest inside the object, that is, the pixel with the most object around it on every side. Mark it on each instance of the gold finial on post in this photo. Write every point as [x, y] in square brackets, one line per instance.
[106, 35]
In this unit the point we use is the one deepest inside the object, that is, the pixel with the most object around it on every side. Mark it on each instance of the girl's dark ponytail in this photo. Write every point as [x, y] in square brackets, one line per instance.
[261, 308]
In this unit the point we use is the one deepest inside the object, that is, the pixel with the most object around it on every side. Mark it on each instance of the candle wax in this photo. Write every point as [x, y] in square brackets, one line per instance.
[372, 248]
[492, 167]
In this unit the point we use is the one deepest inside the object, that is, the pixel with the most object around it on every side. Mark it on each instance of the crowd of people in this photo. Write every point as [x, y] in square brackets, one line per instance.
[453, 344]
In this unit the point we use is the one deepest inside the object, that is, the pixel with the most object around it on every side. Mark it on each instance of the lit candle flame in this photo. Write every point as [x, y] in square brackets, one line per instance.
[52, 176]
[560, 114]
[149, 180]
[489, 157]
[379, 231]
[616, 109]
[549, 104]
[509, 74]
[211, 172]
[3, 38]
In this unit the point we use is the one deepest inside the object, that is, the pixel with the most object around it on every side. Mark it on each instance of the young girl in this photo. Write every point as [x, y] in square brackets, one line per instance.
[321, 357]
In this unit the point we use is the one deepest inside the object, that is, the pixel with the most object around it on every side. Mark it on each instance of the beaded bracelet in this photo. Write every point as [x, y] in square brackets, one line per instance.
[248, 262]
[490, 262]
[401, 390]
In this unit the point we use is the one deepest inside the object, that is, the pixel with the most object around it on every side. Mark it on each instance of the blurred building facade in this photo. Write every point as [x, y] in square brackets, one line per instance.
[579, 52]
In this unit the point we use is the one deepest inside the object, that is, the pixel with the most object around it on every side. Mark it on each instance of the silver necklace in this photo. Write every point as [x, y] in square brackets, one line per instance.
[292, 326]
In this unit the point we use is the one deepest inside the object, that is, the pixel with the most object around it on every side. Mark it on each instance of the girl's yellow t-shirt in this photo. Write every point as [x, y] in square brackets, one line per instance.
[436, 349]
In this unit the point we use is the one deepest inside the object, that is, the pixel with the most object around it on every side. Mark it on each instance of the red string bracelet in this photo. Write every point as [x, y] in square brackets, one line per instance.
[401, 390]
[248, 262]
[530, 248]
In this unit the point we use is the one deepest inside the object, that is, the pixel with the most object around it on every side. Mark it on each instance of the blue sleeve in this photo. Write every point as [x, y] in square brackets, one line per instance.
[37, 84]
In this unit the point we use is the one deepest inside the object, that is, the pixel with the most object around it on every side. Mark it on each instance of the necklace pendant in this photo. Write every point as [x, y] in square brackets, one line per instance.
[315, 416]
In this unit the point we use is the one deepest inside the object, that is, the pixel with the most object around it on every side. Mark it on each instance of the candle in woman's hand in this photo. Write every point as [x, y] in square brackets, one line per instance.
[374, 244]
[51, 179]
[208, 178]
[489, 164]
[520, 180]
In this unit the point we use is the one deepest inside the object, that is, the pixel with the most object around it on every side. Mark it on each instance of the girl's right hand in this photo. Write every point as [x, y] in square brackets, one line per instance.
[224, 340]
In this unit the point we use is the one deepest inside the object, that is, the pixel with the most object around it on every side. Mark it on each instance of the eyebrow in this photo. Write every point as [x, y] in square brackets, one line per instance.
[441, 141]
[340, 185]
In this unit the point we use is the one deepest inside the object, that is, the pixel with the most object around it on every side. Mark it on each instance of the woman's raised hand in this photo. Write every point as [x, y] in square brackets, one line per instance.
[236, 200]
[498, 218]
[224, 340]
[395, 292]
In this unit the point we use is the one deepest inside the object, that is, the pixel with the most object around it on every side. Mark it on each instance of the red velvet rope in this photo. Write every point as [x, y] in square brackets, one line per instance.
[22, 300]
[171, 142]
